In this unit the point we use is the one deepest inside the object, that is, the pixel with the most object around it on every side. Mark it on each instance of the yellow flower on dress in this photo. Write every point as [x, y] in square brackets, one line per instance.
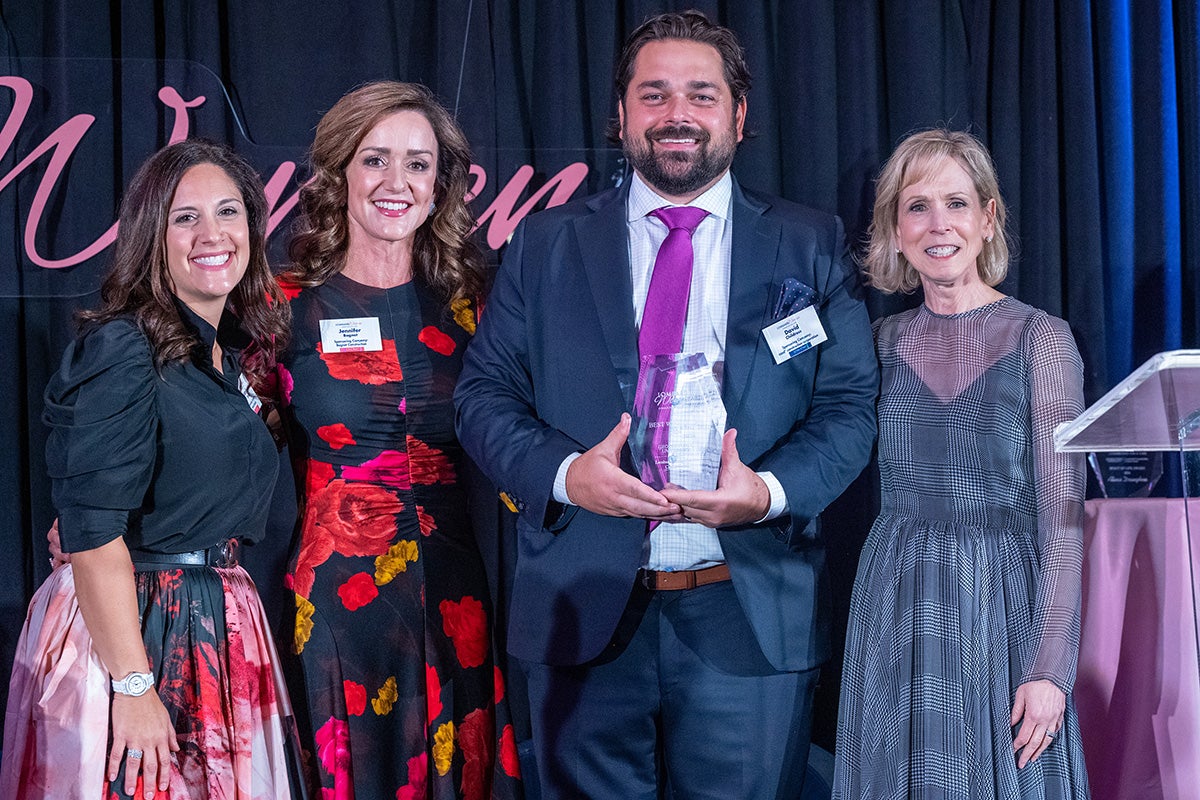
[463, 314]
[304, 625]
[394, 561]
[386, 697]
[443, 747]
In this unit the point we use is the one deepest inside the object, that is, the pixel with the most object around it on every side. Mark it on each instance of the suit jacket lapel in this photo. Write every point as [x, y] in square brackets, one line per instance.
[752, 268]
[603, 240]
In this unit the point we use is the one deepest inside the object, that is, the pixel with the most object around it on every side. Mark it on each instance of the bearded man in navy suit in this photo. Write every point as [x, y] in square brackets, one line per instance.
[672, 637]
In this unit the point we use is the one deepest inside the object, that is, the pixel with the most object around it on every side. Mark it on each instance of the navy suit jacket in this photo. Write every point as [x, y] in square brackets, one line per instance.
[554, 363]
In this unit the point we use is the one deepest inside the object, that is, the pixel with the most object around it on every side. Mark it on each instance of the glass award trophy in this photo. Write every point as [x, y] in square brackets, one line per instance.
[678, 422]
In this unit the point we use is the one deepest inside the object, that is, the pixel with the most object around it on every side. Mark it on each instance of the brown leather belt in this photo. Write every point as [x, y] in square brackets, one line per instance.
[682, 579]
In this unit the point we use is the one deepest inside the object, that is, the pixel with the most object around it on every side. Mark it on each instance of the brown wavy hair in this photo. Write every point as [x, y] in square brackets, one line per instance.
[912, 161]
[444, 256]
[138, 282]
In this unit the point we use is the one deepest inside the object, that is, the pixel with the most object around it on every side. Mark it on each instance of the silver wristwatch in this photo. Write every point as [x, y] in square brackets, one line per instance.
[135, 684]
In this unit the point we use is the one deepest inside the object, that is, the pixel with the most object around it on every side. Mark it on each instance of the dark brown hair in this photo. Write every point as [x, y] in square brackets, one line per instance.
[691, 26]
[444, 256]
[138, 282]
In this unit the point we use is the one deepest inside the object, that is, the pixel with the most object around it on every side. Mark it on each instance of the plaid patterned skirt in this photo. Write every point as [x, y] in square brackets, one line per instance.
[215, 669]
[941, 621]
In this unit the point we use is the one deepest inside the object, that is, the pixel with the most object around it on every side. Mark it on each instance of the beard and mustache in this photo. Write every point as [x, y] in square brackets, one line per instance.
[678, 173]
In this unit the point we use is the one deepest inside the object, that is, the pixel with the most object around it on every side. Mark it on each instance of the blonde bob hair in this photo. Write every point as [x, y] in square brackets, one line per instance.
[913, 160]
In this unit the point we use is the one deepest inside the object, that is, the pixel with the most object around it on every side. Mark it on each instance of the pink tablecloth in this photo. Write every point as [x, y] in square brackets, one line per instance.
[1138, 690]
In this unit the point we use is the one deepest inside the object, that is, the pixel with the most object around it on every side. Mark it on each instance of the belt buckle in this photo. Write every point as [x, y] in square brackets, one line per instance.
[226, 556]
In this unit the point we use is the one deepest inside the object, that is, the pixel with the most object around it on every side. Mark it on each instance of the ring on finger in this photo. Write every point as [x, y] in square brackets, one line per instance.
[133, 752]
[1049, 735]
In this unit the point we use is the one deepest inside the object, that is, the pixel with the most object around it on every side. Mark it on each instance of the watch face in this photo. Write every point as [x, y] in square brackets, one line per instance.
[135, 684]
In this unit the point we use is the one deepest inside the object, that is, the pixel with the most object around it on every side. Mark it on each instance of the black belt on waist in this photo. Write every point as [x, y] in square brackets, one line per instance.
[223, 555]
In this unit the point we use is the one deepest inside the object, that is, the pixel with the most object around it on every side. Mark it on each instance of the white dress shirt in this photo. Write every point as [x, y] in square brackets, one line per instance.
[679, 546]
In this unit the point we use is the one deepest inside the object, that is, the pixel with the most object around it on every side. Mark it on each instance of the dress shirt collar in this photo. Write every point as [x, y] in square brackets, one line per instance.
[230, 334]
[643, 199]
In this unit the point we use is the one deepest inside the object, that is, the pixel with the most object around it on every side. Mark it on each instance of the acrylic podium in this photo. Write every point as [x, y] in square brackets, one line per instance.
[1138, 684]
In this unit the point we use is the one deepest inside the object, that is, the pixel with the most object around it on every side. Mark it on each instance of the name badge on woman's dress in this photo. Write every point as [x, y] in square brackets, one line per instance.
[351, 335]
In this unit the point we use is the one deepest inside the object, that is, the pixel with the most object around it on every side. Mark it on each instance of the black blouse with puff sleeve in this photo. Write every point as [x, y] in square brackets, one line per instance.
[173, 460]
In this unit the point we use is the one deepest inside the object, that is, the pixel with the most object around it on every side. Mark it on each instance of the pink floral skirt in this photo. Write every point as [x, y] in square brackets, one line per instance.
[215, 669]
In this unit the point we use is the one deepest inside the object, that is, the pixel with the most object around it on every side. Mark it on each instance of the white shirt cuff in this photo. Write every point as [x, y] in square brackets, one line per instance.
[779, 504]
[560, 481]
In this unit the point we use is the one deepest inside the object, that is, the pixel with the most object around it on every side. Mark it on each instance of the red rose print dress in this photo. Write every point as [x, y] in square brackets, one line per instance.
[392, 610]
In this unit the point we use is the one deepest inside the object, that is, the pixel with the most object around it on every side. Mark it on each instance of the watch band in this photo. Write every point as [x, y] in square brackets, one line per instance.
[135, 684]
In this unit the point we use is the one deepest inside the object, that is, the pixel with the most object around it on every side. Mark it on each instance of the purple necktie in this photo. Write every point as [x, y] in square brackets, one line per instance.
[662, 325]
[667, 299]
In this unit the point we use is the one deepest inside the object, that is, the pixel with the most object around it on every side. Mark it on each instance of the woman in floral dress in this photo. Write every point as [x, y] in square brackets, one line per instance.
[392, 610]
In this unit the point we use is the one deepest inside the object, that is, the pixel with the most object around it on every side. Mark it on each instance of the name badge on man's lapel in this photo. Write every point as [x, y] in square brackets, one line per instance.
[795, 334]
[351, 335]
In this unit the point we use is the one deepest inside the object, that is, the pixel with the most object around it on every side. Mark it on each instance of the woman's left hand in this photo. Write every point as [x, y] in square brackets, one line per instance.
[57, 556]
[1039, 707]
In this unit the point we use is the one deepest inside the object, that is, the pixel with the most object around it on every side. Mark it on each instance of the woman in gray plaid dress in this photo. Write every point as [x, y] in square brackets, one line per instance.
[964, 623]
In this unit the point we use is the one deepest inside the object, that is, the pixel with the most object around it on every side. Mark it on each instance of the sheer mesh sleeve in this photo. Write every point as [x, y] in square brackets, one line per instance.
[1056, 396]
[101, 451]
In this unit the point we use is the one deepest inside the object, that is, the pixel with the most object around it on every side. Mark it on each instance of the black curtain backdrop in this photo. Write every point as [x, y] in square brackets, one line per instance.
[1091, 109]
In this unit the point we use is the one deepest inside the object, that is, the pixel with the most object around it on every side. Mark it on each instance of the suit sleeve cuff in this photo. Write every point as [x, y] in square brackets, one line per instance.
[560, 480]
[779, 504]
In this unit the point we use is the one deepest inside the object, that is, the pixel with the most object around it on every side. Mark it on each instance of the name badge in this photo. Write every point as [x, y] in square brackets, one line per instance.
[351, 335]
[249, 394]
[792, 336]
